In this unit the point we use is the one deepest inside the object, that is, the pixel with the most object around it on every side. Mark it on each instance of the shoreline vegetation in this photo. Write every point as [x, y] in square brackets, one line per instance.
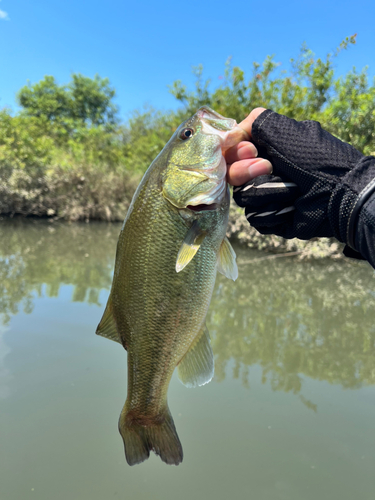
[66, 155]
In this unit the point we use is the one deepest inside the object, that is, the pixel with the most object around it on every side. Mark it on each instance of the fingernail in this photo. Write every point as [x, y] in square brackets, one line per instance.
[261, 167]
[247, 150]
[255, 151]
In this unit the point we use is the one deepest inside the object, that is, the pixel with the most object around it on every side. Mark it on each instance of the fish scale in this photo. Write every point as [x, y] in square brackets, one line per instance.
[167, 257]
[158, 289]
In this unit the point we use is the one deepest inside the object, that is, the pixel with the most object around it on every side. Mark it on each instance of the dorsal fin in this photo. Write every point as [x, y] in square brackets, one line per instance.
[226, 261]
[107, 327]
[197, 366]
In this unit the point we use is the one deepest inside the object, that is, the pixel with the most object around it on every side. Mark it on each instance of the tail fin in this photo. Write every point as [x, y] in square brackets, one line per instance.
[142, 435]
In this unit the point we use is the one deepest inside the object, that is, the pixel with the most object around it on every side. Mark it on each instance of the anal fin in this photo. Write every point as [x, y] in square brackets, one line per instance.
[107, 327]
[197, 366]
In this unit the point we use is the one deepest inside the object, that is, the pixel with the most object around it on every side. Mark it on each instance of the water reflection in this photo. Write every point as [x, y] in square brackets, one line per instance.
[5, 375]
[34, 253]
[291, 318]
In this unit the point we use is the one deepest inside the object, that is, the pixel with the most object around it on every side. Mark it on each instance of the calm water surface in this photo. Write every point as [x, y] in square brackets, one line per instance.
[290, 413]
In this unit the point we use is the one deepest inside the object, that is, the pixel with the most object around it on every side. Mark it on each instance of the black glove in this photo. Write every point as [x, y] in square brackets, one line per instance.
[320, 183]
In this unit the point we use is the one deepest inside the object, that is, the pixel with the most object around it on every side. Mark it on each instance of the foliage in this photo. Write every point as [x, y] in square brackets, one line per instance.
[66, 154]
[63, 154]
[145, 135]
[345, 105]
[84, 100]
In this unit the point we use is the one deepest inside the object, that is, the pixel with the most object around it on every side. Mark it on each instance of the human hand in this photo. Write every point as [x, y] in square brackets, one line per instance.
[315, 183]
[242, 159]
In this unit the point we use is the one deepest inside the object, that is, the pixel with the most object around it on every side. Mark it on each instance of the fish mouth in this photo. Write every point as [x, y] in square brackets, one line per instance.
[226, 129]
[202, 207]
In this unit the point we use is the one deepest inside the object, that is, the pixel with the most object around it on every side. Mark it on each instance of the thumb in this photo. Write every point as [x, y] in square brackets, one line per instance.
[247, 123]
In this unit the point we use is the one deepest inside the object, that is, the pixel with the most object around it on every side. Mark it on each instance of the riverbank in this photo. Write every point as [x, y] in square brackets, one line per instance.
[90, 196]
[79, 194]
[66, 154]
[319, 248]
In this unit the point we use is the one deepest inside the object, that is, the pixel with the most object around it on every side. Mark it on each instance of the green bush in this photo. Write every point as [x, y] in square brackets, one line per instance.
[310, 90]
[66, 154]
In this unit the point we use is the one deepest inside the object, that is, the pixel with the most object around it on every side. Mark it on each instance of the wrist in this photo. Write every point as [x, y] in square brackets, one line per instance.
[348, 199]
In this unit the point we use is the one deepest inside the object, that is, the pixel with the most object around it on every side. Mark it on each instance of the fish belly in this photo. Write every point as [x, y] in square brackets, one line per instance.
[162, 311]
[158, 311]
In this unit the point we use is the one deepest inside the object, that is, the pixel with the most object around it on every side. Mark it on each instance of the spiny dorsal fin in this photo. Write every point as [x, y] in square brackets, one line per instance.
[226, 262]
[190, 246]
[197, 366]
[107, 327]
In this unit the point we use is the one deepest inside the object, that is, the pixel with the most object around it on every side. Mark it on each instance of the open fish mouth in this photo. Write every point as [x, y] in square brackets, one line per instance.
[226, 128]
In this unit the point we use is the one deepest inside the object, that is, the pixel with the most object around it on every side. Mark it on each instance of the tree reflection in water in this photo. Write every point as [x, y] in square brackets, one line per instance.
[292, 318]
[297, 318]
[36, 253]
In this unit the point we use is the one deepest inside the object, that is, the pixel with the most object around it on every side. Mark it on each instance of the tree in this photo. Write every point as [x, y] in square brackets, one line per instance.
[45, 99]
[91, 100]
[84, 100]
[309, 90]
[66, 133]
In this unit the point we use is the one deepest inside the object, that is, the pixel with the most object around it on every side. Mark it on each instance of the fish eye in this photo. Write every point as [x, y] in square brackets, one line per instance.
[186, 133]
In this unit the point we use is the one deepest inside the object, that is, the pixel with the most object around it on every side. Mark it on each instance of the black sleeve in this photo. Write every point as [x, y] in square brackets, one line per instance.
[335, 186]
[364, 234]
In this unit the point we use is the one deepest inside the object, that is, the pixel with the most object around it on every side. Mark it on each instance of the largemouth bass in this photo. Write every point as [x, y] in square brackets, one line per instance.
[170, 247]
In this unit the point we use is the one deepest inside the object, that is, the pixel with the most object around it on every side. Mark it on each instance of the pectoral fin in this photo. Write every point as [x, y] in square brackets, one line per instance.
[190, 246]
[226, 263]
[197, 366]
[107, 327]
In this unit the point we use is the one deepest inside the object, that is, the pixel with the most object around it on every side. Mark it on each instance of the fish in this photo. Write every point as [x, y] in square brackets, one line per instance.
[170, 247]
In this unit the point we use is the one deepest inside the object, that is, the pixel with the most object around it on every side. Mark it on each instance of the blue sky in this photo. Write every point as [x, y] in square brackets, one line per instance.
[142, 47]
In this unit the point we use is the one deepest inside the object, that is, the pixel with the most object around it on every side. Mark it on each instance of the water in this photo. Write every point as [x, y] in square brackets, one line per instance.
[290, 414]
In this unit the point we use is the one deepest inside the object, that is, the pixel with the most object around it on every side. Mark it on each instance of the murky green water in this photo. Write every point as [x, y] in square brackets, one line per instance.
[290, 414]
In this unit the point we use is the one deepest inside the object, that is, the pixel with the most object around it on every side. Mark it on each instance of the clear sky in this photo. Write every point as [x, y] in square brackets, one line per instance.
[143, 46]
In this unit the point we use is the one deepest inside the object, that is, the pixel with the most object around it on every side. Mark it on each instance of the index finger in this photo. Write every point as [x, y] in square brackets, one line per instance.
[242, 151]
